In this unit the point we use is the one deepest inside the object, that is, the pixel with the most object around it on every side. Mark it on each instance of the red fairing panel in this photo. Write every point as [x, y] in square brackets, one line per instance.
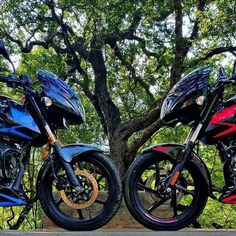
[220, 117]
[230, 200]
[162, 149]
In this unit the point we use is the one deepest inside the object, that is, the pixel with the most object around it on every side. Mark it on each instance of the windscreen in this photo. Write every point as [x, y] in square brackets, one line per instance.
[195, 80]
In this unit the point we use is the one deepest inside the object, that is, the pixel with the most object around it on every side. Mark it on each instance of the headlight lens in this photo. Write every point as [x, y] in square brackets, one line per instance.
[47, 101]
[200, 100]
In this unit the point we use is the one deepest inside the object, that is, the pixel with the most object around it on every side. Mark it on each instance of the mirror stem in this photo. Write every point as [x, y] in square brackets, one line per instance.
[234, 67]
[14, 69]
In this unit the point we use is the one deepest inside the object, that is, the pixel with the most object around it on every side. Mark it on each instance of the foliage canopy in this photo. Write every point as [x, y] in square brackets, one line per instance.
[122, 57]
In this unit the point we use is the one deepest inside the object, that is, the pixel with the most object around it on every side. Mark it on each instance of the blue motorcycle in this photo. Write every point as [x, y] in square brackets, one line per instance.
[78, 186]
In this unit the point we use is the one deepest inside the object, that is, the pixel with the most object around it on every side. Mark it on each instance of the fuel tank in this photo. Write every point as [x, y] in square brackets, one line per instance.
[222, 124]
[16, 122]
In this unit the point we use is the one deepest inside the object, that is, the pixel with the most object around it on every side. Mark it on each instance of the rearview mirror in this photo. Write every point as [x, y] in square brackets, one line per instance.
[3, 50]
[221, 73]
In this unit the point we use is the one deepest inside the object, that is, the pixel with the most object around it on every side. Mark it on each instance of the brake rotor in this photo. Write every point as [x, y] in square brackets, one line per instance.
[151, 181]
[94, 191]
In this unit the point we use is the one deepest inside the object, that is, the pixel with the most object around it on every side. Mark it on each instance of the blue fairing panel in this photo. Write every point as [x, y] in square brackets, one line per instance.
[7, 201]
[16, 122]
[15, 132]
[70, 151]
[21, 116]
[21, 126]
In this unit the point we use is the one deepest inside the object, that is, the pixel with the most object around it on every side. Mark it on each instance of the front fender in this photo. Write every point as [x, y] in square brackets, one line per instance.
[68, 152]
[173, 150]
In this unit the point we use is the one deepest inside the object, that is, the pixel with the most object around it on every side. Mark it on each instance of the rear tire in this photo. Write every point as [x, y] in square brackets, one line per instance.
[100, 211]
[143, 194]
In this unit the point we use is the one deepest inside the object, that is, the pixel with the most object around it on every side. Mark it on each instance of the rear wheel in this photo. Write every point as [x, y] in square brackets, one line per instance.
[88, 210]
[156, 208]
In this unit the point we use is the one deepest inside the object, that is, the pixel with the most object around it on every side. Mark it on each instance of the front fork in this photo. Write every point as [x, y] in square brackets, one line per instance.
[67, 167]
[183, 156]
[54, 142]
[190, 143]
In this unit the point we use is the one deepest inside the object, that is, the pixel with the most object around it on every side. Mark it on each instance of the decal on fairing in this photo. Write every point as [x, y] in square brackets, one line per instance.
[220, 117]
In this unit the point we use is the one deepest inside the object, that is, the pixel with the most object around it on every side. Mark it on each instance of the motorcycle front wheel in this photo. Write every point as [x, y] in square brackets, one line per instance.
[154, 207]
[92, 208]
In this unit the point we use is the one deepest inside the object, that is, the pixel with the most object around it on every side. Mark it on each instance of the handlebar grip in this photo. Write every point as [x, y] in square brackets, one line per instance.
[233, 77]
[4, 78]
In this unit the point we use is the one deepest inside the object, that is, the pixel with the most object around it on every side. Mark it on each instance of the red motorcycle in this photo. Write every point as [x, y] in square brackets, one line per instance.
[167, 187]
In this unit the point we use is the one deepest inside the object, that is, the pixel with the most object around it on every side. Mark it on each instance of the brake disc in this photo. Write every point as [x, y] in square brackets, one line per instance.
[151, 181]
[92, 190]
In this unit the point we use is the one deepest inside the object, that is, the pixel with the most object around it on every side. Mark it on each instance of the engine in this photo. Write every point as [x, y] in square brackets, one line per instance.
[9, 161]
[228, 152]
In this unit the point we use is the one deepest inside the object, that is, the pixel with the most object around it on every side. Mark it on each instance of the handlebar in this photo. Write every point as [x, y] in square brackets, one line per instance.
[4, 78]
[226, 80]
[13, 81]
[223, 79]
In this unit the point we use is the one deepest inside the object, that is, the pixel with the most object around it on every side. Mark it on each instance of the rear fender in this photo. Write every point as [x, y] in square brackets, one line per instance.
[173, 150]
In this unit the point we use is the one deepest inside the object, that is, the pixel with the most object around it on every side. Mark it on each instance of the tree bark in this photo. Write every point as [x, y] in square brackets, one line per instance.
[119, 152]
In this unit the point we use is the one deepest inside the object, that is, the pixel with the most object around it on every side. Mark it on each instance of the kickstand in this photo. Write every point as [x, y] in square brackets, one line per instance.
[23, 213]
[11, 217]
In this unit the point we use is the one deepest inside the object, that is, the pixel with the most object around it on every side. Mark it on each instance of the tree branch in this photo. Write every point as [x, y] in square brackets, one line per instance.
[143, 46]
[152, 129]
[85, 86]
[194, 34]
[141, 122]
[128, 34]
[180, 43]
[110, 110]
[214, 52]
[131, 69]
[30, 44]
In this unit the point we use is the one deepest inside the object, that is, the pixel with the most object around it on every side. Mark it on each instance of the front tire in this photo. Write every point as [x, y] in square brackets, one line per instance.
[91, 209]
[154, 208]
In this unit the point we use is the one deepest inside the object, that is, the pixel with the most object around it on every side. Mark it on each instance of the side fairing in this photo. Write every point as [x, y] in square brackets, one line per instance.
[21, 116]
[221, 125]
[16, 122]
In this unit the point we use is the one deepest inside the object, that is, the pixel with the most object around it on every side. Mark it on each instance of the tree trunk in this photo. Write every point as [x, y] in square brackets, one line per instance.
[119, 152]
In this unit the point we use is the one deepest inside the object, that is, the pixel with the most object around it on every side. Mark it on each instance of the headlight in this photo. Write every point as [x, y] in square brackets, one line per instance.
[200, 100]
[47, 101]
